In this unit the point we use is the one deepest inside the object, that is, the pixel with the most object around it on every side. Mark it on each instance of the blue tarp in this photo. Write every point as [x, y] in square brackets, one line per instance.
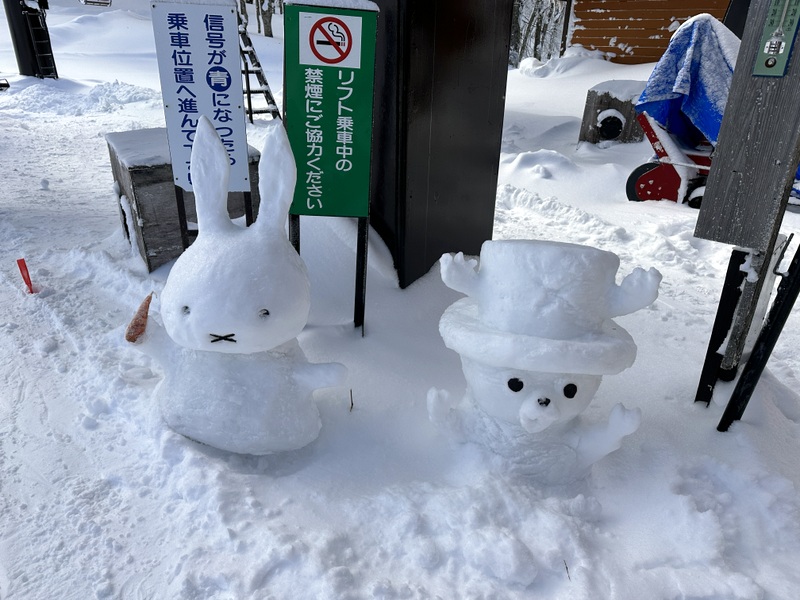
[688, 88]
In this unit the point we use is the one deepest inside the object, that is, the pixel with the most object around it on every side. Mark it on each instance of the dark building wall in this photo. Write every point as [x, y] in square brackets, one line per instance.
[438, 127]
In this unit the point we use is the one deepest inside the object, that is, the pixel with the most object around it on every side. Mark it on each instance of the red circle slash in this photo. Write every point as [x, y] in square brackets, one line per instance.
[335, 35]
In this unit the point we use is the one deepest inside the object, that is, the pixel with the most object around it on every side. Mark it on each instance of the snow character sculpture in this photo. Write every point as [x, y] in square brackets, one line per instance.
[233, 304]
[535, 335]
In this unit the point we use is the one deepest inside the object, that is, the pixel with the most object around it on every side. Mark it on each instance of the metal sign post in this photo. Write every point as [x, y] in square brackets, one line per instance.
[197, 47]
[329, 76]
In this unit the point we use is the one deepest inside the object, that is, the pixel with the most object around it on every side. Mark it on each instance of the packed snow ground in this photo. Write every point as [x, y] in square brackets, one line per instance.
[98, 498]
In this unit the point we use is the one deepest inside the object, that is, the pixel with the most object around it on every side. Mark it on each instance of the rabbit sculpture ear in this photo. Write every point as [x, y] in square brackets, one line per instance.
[210, 170]
[277, 175]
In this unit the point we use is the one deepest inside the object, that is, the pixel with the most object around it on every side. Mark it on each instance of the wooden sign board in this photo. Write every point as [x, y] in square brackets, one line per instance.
[758, 149]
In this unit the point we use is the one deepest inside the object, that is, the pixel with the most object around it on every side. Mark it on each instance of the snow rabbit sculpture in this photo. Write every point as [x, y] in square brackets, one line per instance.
[234, 375]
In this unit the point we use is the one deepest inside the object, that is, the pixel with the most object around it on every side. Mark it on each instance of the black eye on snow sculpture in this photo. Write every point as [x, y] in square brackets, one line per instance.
[185, 310]
[263, 313]
[570, 390]
[515, 385]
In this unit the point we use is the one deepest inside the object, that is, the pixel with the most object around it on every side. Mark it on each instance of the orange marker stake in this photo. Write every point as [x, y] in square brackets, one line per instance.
[26, 277]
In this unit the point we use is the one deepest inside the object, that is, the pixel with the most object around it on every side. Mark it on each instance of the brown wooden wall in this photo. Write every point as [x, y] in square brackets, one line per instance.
[634, 31]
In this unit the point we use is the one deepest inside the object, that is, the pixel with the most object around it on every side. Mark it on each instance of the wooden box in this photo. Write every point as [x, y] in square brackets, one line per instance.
[140, 163]
[607, 101]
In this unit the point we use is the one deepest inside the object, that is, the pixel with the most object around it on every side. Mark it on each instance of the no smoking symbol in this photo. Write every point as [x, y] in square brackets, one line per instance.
[330, 40]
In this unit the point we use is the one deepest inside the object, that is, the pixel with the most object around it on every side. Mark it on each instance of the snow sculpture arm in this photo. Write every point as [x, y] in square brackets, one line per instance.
[138, 324]
[444, 414]
[601, 440]
[313, 376]
[638, 290]
[150, 337]
[459, 273]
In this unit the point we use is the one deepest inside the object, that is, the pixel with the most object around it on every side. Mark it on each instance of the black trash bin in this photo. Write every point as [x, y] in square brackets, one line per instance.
[439, 102]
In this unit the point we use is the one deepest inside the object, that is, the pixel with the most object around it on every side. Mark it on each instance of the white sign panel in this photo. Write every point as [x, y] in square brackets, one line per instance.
[330, 40]
[197, 46]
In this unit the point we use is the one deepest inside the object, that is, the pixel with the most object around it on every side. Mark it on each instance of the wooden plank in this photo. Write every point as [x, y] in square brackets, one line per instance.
[757, 152]
[623, 47]
[659, 44]
[600, 22]
[635, 59]
[634, 32]
[648, 39]
[677, 6]
[639, 16]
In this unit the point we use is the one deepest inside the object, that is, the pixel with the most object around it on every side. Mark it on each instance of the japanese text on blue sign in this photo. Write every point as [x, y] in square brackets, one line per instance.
[199, 67]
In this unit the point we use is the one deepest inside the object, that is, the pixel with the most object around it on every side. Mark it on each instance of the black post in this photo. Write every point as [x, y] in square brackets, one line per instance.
[248, 208]
[362, 246]
[785, 298]
[182, 216]
[439, 106]
[728, 301]
[247, 92]
[294, 231]
[21, 38]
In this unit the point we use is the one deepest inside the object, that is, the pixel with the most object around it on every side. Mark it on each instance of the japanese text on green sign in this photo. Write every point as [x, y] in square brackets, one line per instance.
[329, 80]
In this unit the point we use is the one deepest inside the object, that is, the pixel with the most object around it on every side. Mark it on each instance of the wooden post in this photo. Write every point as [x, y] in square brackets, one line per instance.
[757, 151]
[756, 155]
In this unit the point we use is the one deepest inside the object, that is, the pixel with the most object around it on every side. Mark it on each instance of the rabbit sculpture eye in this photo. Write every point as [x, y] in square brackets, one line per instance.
[235, 376]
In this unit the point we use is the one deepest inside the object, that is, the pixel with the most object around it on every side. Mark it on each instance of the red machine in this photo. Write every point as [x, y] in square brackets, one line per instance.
[677, 173]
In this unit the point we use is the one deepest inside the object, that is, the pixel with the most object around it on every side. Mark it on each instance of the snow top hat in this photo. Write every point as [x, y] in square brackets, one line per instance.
[544, 306]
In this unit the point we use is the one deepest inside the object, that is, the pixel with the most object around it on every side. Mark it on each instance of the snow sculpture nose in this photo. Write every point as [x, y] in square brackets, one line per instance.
[538, 413]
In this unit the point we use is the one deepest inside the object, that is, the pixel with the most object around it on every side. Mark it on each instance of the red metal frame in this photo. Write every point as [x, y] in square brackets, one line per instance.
[660, 180]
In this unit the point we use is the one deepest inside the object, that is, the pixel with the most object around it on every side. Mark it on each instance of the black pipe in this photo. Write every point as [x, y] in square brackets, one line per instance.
[785, 297]
[729, 300]
[21, 37]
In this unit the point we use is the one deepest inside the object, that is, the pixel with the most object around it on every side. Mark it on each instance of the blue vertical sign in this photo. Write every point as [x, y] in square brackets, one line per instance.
[197, 46]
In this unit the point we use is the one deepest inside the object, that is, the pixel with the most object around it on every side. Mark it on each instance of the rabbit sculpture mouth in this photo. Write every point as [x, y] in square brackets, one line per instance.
[222, 338]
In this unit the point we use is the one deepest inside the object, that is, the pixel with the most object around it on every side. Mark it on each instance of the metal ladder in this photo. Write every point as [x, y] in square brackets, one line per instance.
[41, 44]
[252, 66]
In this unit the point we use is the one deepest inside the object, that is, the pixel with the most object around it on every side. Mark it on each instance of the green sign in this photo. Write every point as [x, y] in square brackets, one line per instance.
[777, 38]
[329, 75]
